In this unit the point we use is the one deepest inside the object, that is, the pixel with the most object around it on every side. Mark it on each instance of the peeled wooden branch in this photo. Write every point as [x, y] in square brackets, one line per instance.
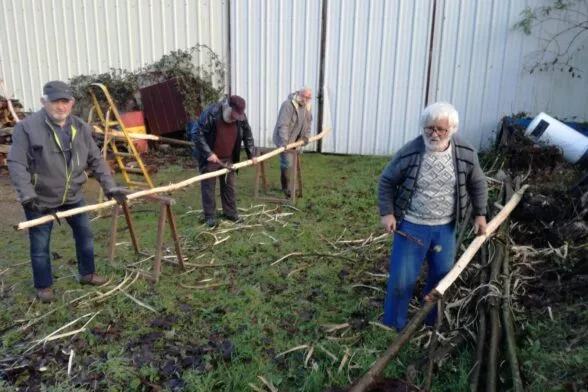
[467, 256]
[142, 136]
[394, 349]
[436, 294]
[167, 188]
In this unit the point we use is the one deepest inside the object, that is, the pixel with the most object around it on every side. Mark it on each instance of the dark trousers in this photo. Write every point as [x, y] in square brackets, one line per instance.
[227, 191]
[40, 239]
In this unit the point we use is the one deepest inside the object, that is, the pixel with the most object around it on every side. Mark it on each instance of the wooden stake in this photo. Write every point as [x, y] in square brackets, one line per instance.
[167, 188]
[480, 339]
[509, 328]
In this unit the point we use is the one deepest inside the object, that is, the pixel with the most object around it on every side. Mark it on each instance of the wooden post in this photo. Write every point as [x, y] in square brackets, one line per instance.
[294, 182]
[172, 225]
[113, 227]
[299, 176]
[131, 227]
[159, 243]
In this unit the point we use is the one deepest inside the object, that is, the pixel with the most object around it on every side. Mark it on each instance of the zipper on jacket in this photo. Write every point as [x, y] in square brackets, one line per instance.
[68, 168]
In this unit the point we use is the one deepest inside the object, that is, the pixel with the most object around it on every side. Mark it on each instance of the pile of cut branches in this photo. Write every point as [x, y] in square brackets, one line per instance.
[536, 259]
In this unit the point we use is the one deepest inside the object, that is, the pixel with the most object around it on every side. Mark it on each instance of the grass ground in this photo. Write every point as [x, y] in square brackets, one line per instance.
[223, 337]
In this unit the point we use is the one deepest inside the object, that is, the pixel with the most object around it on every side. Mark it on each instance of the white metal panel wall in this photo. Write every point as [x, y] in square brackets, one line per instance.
[58, 39]
[377, 53]
[479, 65]
[274, 51]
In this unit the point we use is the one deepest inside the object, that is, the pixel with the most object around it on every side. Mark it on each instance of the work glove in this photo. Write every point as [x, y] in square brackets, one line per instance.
[118, 194]
[33, 204]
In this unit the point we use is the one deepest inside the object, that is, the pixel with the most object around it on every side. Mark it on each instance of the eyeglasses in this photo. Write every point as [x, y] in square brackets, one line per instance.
[440, 131]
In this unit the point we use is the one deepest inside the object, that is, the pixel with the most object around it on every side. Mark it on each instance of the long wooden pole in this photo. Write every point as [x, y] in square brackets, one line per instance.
[467, 256]
[437, 293]
[167, 188]
[142, 136]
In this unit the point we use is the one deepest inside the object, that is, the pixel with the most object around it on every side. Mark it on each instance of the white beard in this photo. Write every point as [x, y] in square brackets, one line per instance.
[436, 145]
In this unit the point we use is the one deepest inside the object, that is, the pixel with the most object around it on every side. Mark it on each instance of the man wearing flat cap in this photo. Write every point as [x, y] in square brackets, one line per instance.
[50, 153]
[218, 135]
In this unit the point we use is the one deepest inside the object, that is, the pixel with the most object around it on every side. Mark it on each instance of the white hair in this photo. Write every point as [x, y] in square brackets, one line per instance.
[437, 111]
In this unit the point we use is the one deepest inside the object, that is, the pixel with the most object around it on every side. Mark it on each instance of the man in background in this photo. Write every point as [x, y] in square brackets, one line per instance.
[218, 135]
[293, 124]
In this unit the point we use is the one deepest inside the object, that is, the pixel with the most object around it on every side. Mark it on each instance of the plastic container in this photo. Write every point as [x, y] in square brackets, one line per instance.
[141, 146]
[134, 122]
[546, 129]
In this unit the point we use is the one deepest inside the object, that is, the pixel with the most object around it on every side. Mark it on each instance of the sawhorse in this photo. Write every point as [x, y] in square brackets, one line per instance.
[165, 211]
[295, 178]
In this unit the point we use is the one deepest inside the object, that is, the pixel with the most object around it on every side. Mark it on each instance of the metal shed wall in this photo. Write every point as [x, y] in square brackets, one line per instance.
[376, 64]
[480, 65]
[274, 51]
[58, 39]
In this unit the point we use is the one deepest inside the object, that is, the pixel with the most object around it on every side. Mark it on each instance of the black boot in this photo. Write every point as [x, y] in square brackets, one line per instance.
[285, 182]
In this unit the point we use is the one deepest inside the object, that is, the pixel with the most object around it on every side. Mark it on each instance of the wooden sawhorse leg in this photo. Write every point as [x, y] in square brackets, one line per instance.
[165, 211]
[113, 229]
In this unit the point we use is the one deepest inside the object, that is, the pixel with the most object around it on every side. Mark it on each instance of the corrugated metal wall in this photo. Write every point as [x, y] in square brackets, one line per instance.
[376, 64]
[274, 51]
[58, 39]
[479, 65]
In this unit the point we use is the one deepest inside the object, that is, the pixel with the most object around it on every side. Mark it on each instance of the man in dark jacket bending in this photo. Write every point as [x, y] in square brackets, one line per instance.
[217, 136]
[51, 150]
[424, 192]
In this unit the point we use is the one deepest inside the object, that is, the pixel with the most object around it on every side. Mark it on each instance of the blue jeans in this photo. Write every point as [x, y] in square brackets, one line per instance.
[40, 238]
[406, 260]
[286, 160]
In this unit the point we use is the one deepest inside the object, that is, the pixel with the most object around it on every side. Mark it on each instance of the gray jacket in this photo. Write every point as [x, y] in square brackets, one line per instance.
[38, 166]
[293, 122]
[397, 182]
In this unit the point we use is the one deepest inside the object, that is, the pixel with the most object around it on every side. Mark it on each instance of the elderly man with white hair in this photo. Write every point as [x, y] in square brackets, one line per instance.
[293, 124]
[423, 192]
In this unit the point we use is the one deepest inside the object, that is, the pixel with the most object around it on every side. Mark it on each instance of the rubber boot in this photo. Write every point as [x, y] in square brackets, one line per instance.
[285, 182]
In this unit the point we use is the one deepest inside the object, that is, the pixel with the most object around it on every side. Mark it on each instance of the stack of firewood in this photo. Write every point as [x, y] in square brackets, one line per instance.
[10, 112]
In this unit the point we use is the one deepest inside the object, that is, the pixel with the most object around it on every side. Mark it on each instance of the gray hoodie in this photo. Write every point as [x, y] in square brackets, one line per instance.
[38, 165]
[293, 122]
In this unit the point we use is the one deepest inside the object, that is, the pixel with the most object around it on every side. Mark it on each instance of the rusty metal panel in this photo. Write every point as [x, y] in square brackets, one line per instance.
[163, 108]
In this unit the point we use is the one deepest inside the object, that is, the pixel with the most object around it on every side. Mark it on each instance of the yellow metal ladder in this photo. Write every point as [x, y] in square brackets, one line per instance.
[107, 123]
